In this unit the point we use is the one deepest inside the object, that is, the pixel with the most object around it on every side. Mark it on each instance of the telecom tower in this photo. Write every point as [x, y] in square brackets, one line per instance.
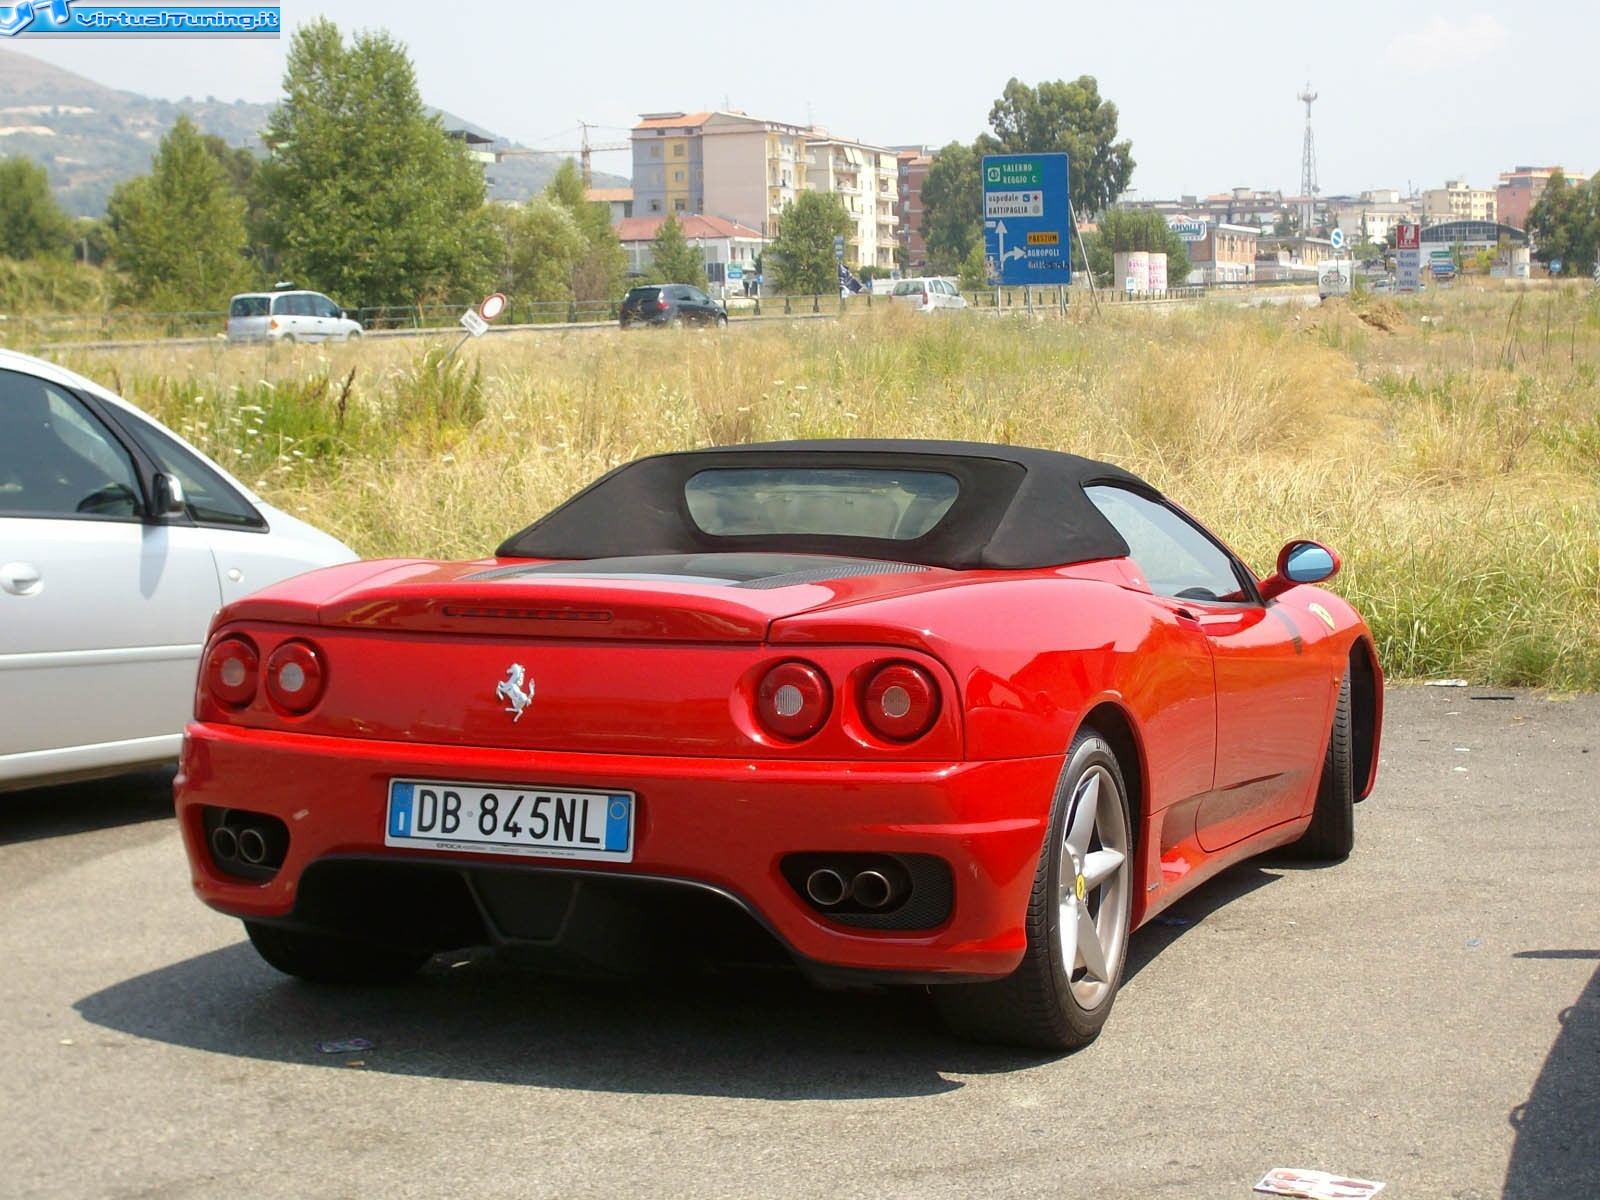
[1308, 168]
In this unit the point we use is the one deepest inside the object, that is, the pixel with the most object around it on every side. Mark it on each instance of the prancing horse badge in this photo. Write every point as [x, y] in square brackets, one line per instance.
[512, 692]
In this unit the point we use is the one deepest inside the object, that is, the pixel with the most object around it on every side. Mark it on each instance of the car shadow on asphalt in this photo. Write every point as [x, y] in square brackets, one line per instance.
[747, 1032]
[83, 807]
[1162, 931]
[753, 1033]
[1557, 1151]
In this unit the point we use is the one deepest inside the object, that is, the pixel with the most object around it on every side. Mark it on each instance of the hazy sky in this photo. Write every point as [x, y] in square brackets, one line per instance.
[1409, 94]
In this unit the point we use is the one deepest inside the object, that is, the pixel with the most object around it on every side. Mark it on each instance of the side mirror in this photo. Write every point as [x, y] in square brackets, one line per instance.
[1300, 561]
[169, 495]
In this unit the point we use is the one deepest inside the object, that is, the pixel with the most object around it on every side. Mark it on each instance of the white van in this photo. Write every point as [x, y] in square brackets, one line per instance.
[288, 317]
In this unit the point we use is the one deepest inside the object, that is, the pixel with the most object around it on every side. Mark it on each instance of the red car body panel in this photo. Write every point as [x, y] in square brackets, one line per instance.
[648, 686]
[650, 647]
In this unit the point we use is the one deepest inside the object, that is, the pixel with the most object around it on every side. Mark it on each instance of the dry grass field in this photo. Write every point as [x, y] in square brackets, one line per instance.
[1448, 446]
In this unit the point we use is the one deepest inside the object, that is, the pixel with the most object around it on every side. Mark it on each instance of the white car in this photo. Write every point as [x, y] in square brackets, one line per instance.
[118, 541]
[291, 316]
[929, 293]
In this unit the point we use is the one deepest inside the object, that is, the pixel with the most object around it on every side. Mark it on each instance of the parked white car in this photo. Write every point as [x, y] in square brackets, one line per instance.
[290, 316]
[928, 293]
[118, 541]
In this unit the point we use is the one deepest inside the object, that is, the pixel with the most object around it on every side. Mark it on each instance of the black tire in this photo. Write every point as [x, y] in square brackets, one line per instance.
[1332, 832]
[287, 339]
[323, 958]
[1051, 1001]
[722, 320]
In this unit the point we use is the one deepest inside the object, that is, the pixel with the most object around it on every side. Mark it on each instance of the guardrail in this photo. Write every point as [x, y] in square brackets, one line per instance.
[64, 328]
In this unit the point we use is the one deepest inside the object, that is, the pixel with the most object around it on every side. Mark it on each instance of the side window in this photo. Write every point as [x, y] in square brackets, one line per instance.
[57, 459]
[282, 306]
[210, 499]
[324, 307]
[1177, 558]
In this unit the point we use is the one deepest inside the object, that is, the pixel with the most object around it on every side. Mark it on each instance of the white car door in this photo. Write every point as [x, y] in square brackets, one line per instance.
[102, 610]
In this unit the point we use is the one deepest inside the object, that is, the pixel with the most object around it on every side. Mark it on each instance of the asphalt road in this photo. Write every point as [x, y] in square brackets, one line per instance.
[1426, 1014]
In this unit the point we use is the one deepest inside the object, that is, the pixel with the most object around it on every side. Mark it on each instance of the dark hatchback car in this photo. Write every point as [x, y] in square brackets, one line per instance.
[671, 304]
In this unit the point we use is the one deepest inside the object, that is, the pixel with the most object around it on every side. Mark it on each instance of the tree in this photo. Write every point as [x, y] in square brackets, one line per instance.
[540, 243]
[801, 256]
[1123, 230]
[676, 261]
[952, 207]
[598, 272]
[1565, 224]
[177, 235]
[1057, 117]
[32, 224]
[1068, 118]
[365, 196]
[974, 273]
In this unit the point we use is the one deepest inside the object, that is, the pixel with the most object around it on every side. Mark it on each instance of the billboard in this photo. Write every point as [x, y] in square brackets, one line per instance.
[1408, 258]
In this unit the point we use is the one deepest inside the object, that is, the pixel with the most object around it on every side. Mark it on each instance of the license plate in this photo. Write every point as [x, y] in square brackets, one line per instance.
[510, 819]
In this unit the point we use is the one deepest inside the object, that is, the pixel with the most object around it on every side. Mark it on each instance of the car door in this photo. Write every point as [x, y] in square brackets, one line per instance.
[1270, 697]
[325, 317]
[697, 305]
[103, 609]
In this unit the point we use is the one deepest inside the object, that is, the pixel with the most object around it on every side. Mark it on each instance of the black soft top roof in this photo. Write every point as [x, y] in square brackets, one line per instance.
[1017, 508]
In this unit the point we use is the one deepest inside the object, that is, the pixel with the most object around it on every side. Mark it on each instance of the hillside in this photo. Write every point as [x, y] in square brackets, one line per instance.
[91, 137]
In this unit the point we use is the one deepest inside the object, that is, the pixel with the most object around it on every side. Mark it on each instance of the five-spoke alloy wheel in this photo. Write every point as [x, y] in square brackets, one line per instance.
[1078, 921]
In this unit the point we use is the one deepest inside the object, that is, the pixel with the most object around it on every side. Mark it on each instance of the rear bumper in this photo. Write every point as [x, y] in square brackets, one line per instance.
[712, 825]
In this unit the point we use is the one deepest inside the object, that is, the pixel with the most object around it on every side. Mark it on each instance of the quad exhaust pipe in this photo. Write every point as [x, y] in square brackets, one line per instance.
[252, 846]
[246, 842]
[825, 887]
[869, 889]
[224, 844]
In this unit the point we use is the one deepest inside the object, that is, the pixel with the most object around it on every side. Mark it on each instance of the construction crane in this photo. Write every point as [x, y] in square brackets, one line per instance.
[583, 152]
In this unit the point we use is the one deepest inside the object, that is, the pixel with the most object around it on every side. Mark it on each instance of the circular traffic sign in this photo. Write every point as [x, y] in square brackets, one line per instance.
[492, 307]
[1337, 237]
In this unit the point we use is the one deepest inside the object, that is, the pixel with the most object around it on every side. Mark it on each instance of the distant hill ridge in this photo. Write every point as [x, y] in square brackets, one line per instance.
[90, 137]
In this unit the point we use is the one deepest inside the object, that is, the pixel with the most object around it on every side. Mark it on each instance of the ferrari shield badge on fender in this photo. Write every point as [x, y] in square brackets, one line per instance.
[1323, 614]
[512, 692]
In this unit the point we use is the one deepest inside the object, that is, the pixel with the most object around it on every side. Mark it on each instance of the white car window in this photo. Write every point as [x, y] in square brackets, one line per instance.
[209, 498]
[56, 459]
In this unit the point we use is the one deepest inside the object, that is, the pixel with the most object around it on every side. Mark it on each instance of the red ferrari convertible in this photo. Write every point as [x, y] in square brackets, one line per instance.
[908, 712]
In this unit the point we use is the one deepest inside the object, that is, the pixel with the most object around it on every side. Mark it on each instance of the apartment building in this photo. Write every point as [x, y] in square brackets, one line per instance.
[1239, 206]
[668, 164]
[1226, 254]
[1372, 216]
[914, 162]
[725, 164]
[1455, 201]
[1519, 191]
[866, 179]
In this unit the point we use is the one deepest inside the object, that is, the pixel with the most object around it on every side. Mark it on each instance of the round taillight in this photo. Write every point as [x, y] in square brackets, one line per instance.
[231, 671]
[793, 700]
[295, 676]
[900, 702]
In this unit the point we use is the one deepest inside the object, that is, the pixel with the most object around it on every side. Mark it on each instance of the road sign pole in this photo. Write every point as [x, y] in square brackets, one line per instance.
[1094, 296]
